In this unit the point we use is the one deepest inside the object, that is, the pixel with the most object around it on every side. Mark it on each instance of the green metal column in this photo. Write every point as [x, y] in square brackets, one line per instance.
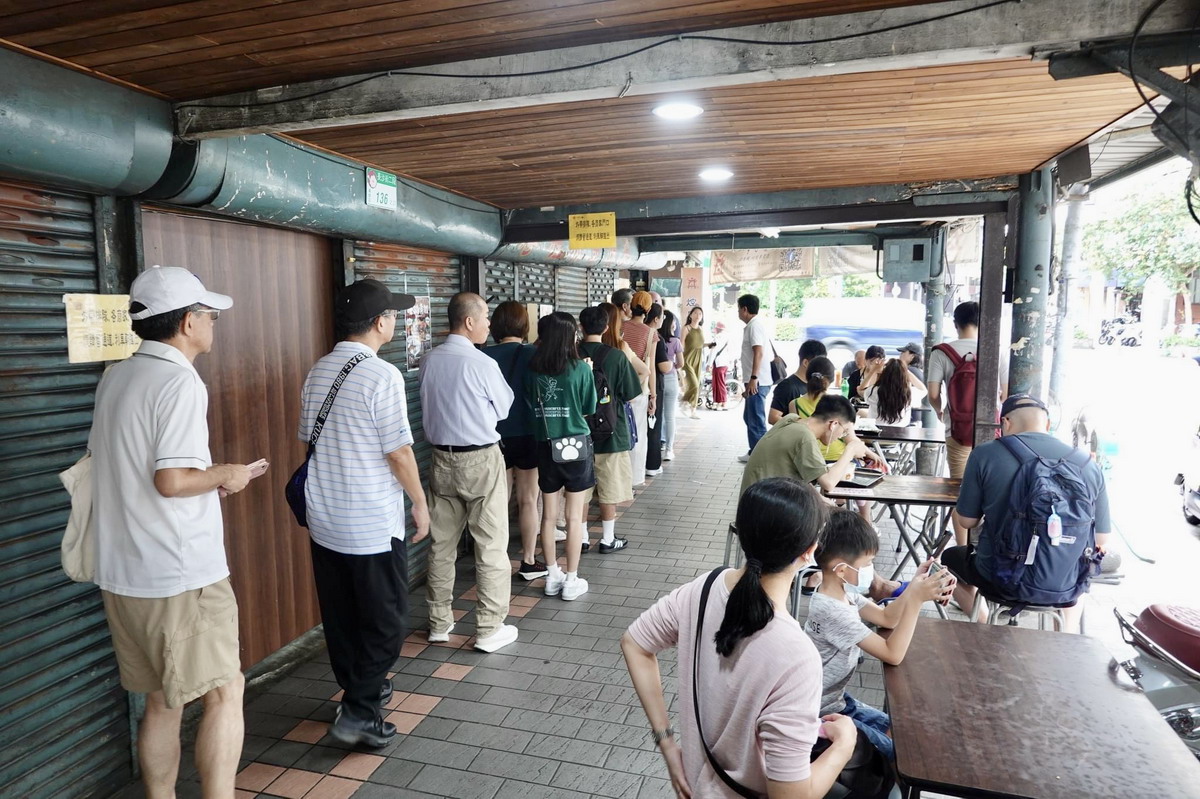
[935, 312]
[1035, 236]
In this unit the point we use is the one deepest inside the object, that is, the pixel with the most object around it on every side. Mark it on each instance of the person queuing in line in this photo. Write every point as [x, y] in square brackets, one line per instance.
[693, 361]
[795, 385]
[465, 396]
[358, 476]
[614, 338]
[668, 405]
[510, 327]
[561, 393]
[756, 371]
[911, 355]
[837, 612]
[985, 493]
[722, 358]
[892, 393]
[159, 539]
[852, 373]
[875, 359]
[614, 484]
[760, 720]
[641, 338]
[654, 423]
[623, 299]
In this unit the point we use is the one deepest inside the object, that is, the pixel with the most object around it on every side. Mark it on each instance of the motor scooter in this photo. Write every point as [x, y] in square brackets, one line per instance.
[1189, 484]
[1166, 665]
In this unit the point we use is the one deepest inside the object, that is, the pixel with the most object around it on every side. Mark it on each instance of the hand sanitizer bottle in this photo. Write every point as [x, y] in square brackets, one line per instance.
[1054, 528]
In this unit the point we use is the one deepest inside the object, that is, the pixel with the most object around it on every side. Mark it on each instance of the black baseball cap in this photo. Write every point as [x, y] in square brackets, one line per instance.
[367, 299]
[1018, 401]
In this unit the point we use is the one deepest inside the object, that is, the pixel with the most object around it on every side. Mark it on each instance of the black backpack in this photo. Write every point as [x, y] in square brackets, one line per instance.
[603, 421]
[1028, 566]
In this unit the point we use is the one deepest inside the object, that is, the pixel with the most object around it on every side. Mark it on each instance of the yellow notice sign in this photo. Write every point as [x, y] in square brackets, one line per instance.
[98, 328]
[592, 231]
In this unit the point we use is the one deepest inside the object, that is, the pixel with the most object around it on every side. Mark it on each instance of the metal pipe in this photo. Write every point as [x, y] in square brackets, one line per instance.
[935, 312]
[1035, 237]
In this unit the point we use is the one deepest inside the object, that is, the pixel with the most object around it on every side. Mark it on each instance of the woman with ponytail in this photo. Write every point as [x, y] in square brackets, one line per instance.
[757, 680]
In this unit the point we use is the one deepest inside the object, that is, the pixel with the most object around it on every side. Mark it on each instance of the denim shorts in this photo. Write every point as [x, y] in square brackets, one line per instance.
[875, 724]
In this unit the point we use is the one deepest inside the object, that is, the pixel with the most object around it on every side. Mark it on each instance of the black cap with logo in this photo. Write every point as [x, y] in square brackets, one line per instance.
[367, 299]
[1018, 401]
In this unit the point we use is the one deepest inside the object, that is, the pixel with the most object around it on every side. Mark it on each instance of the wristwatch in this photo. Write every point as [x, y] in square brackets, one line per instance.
[658, 736]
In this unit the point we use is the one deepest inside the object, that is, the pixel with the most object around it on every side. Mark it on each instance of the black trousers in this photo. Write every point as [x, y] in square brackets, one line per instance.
[654, 434]
[364, 607]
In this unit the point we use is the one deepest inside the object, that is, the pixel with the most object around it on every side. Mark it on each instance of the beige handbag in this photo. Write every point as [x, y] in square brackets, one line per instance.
[79, 539]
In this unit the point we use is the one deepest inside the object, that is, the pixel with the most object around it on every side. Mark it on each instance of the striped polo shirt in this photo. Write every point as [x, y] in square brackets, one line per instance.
[355, 505]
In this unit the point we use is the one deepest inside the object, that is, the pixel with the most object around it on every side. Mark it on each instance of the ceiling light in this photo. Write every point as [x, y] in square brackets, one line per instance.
[678, 111]
[716, 174]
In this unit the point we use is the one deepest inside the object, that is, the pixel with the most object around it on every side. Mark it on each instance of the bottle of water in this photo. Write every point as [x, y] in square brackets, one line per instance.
[1054, 528]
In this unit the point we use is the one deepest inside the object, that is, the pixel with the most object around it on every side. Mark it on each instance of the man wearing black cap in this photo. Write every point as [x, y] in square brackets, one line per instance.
[359, 473]
[984, 496]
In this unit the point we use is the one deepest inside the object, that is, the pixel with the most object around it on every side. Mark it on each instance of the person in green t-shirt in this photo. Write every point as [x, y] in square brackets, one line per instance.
[793, 447]
[560, 391]
[614, 474]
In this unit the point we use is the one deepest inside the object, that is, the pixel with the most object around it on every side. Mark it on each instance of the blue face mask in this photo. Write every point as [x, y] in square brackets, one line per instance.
[865, 577]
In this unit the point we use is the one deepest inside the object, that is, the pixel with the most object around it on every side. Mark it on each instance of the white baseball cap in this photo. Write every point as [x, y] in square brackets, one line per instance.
[169, 288]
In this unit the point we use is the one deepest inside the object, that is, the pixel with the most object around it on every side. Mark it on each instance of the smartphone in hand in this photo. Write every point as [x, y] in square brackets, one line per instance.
[258, 468]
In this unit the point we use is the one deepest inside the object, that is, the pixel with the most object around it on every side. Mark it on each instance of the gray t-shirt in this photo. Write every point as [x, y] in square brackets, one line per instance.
[941, 368]
[836, 630]
[987, 483]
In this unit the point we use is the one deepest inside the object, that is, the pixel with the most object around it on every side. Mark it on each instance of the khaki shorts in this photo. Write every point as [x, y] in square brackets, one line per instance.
[614, 478]
[184, 645]
[956, 457]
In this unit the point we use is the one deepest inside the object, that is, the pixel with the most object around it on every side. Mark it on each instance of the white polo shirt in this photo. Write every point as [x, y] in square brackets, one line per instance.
[355, 506]
[151, 414]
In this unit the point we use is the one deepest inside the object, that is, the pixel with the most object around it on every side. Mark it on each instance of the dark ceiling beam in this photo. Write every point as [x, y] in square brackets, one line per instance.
[689, 62]
[833, 206]
[869, 237]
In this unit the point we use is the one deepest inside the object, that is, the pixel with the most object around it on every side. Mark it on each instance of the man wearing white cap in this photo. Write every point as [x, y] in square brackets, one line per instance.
[160, 553]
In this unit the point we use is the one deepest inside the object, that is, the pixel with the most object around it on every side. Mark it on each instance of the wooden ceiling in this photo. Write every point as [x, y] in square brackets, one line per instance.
[203, 48]
[925, 124]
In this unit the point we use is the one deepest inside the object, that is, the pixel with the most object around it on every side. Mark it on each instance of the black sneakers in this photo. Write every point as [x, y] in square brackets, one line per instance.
[372, 733]
[617, 543]
[385, 693]
[532, 571]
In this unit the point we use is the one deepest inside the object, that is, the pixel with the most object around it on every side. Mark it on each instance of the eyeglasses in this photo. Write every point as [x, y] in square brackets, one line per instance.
[213, 312]
[392, 314]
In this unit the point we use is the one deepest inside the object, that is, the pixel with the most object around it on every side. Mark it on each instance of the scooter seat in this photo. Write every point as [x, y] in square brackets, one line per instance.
[1176, 629]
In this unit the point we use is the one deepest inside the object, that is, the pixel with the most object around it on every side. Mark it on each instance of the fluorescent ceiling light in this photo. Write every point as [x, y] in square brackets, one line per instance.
[716, 174]
[677, 111]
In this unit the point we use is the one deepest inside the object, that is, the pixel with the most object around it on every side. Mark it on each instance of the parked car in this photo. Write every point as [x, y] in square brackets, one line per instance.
[847, 324]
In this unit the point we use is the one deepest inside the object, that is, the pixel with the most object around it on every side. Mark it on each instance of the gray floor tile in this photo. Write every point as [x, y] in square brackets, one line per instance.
[442, 781]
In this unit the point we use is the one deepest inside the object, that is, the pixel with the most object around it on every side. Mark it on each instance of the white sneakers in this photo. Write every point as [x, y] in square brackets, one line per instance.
[504, 635]
[744, 458]
[654, 472]
[560, 534]
[573, 588]
[669, 455]
[442, 637]
[569, 588]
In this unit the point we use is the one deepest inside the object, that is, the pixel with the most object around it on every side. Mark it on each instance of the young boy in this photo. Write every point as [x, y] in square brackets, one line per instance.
[839, 607]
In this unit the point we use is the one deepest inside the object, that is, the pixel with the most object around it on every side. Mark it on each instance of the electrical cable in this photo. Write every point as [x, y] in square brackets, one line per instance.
[400, 178]
[600, 62]
[1137, 32]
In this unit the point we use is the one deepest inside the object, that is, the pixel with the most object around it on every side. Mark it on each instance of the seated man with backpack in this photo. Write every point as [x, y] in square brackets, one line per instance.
[1044, 513]
[616, 384]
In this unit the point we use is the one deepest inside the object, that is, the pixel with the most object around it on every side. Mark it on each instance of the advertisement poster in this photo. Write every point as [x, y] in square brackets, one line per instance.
[98, 328]
[418, 335]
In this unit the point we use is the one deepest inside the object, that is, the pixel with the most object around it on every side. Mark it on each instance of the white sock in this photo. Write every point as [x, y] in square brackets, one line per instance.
[609, 527]
[572, 576]
[555, 571]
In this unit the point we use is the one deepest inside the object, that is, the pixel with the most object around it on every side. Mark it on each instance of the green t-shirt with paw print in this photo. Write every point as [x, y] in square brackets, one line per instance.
[561, 403]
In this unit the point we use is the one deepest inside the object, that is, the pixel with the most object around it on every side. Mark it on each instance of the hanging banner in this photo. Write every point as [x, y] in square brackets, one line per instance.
[589, 231]
[741, 266]
[98, 328]
[418, 332]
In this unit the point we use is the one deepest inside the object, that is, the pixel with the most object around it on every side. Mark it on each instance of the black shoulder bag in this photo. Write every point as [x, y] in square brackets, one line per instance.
[867, 774]
[293, 492]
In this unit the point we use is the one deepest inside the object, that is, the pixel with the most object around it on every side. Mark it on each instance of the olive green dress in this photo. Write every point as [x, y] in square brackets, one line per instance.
[693, 359]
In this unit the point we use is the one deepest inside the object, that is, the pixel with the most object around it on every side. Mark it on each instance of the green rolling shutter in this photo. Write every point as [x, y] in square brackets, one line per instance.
[65, 729]
[571, 289]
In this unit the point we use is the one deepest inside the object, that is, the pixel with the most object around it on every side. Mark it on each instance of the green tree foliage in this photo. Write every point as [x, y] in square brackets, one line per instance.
[790, 294]
[1153, 235]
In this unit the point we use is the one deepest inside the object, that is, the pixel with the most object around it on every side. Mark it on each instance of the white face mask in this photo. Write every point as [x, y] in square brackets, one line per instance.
[866, 575]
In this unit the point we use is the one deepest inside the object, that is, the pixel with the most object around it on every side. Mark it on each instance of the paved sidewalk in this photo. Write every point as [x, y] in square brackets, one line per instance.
[552, 715]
